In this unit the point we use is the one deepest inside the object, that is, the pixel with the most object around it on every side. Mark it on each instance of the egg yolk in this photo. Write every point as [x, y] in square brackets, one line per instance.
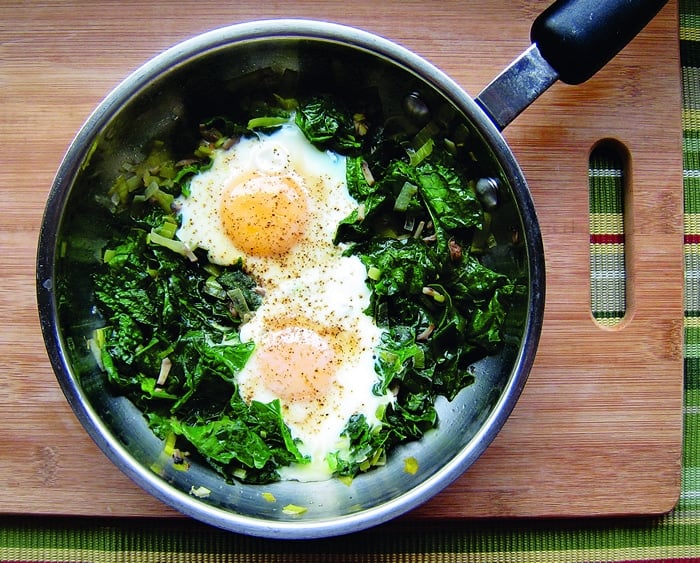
[297, 364]
[264, 215]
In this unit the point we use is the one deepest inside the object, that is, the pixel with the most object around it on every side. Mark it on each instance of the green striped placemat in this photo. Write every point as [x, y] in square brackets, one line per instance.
[606, 197]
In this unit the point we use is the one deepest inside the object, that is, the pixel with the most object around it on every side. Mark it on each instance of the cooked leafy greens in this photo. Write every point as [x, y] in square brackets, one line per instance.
[171, 341]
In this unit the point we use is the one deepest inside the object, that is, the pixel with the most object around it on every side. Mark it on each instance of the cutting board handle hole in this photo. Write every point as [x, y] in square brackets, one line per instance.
[607, 188]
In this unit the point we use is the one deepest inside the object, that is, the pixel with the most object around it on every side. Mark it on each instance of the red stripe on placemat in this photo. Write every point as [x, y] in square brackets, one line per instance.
[607, 239]
[691, 239]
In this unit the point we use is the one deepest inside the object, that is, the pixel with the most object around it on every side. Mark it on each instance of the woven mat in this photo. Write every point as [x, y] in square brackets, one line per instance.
[672, 538]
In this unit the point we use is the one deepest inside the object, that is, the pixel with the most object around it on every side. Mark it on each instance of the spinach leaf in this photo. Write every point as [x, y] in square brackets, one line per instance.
[450, 200]
[252, 439]
[249, 441]
[398, 266]
[327, 126]
[224, 440]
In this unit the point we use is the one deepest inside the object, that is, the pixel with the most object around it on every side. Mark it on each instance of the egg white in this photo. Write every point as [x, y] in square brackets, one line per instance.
[311, 286]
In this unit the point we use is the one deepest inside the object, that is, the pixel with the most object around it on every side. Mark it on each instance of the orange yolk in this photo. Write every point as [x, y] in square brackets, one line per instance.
[297, 364]
[264, 215]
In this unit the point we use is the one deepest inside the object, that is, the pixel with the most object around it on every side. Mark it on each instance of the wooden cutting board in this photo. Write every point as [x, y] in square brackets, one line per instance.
[598, 428]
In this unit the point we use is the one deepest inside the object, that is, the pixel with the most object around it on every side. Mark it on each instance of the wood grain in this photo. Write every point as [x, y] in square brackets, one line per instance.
[598, 428]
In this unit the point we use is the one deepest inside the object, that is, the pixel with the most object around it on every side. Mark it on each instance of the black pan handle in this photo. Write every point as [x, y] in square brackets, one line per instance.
[579, 37]
[571, 41]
